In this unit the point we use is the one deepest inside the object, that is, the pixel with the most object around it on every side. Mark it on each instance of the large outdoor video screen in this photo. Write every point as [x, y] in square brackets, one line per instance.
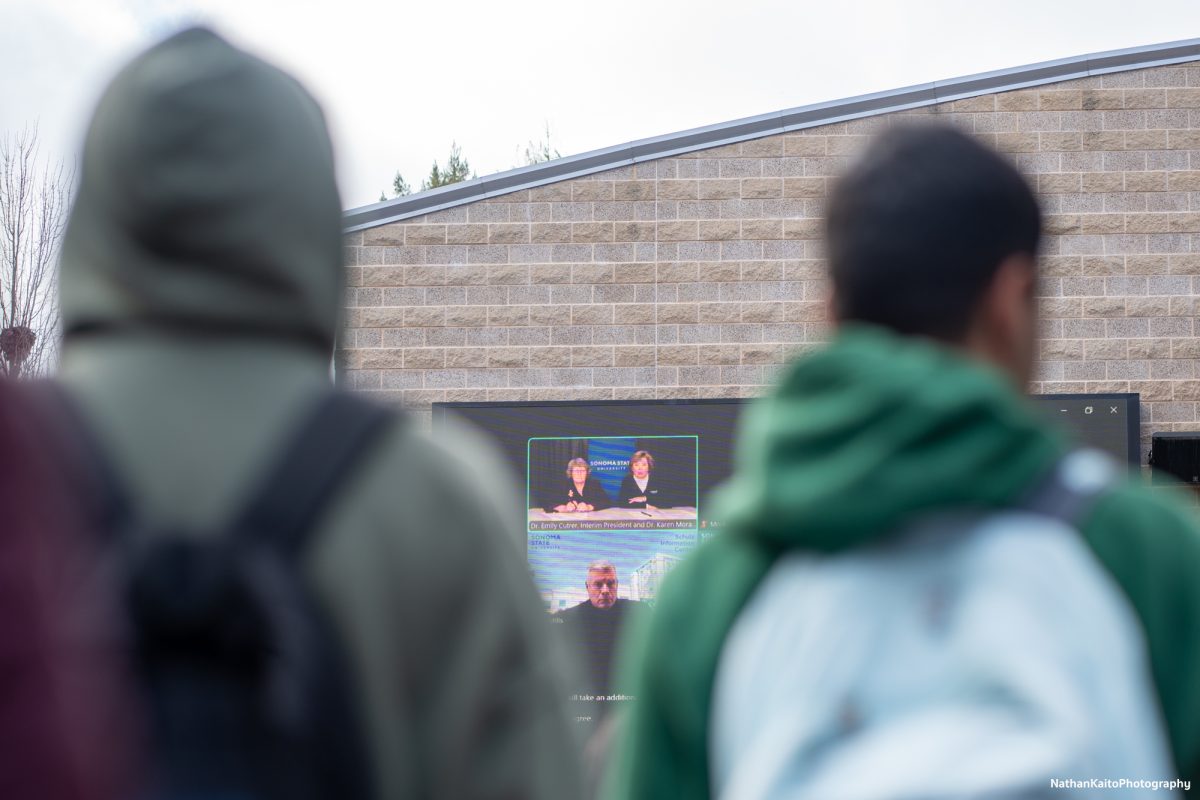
[617, 492]
[625, 481]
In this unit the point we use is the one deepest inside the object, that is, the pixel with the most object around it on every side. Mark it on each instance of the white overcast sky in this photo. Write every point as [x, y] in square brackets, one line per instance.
[400, 80]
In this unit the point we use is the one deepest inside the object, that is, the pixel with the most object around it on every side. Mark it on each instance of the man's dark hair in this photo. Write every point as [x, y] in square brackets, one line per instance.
[918, 227]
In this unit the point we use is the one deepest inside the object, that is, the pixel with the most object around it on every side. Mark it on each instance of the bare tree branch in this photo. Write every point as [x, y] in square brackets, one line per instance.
[33, 214]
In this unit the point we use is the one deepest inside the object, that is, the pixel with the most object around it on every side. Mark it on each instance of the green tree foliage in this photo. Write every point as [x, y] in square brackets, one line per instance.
[400, 186]
[539, 151]
[455, 170]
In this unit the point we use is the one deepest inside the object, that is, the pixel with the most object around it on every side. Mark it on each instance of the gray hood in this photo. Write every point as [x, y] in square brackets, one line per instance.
[207, 202]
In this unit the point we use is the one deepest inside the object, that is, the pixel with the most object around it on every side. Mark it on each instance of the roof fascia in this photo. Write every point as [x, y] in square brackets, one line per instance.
[793, 119]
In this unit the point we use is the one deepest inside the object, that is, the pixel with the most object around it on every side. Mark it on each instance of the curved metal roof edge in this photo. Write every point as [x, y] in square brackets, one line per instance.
[791, 119]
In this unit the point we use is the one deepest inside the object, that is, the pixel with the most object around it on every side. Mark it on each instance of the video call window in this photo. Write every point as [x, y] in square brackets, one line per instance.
[608, 517]
[612, 483]
[626, 501]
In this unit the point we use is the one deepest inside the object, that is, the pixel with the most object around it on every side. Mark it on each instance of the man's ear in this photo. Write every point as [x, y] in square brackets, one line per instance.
[1011, 293]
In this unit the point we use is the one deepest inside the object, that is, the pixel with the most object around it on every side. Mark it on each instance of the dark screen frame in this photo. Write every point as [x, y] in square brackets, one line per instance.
[1133, 417]
[440, 408]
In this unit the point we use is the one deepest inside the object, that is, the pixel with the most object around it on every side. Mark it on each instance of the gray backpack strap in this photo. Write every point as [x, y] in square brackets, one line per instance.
[1071, 487]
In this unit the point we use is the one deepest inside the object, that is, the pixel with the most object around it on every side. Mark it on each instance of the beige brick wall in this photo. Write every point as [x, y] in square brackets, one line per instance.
[699, 275]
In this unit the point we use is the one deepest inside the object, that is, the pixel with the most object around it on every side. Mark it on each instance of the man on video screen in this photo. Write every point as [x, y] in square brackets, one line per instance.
[595, 624]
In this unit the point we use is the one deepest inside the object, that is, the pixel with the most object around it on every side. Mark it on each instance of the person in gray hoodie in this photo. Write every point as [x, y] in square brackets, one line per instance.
[201, 282]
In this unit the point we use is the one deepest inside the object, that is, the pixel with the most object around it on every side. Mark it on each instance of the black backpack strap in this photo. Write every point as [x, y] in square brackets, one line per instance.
[1072, 485]
[310, 469]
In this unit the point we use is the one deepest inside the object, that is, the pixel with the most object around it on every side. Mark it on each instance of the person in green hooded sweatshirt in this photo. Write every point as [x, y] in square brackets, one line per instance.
[201, 282]
[798, 653]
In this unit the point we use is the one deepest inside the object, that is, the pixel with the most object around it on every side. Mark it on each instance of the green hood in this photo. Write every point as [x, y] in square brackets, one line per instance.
[875, 429]
[207, 202]
[856, 440]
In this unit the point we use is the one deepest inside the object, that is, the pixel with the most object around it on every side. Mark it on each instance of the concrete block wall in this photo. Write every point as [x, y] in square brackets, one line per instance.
[701, 275]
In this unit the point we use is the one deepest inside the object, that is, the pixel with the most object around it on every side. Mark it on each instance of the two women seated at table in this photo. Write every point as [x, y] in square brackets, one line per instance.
[583, 492]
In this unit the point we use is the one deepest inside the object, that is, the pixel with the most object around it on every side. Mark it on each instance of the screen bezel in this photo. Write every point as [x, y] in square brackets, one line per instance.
[1133, 416]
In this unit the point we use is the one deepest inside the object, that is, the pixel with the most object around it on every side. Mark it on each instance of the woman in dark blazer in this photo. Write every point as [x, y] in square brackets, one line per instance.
[639, 489]
[581, 492]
